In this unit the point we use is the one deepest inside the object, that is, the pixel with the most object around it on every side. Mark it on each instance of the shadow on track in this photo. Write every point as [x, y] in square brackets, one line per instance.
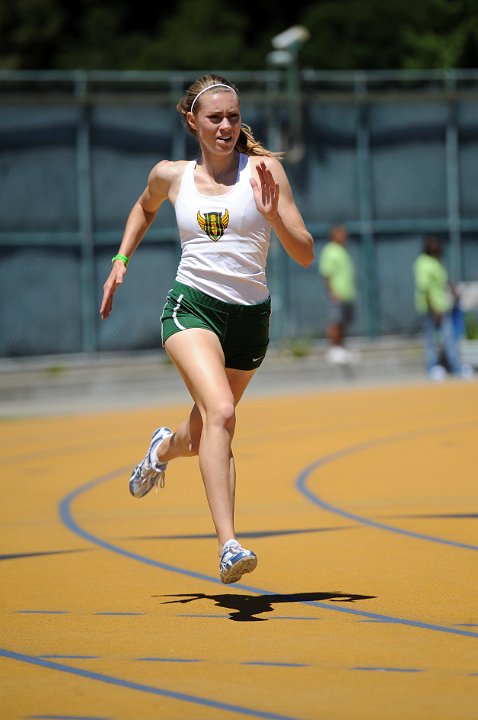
[245, 608]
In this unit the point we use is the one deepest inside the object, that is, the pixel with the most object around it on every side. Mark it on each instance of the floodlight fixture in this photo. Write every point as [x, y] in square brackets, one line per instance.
[291, 38]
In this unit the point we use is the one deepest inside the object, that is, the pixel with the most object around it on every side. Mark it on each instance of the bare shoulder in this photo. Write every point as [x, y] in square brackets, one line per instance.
[272, 163]
[167, 171]
[165, 178]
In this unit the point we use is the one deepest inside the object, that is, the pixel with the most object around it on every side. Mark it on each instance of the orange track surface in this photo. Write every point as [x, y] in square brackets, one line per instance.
[362, 507]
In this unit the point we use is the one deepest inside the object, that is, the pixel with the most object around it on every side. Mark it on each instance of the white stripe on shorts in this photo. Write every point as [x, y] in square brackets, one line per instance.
[175, 313]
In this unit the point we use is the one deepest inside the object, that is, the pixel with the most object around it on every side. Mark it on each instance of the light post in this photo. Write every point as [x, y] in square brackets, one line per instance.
[286, 55]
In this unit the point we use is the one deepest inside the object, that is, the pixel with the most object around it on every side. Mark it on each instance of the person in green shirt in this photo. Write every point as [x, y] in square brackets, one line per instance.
[434, 304]
[337, 268]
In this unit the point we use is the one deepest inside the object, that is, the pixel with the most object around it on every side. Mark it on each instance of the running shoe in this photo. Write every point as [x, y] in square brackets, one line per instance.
[235, 561]
[149, 472]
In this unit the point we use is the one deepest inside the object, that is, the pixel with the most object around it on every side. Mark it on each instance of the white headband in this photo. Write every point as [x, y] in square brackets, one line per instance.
[209, 87]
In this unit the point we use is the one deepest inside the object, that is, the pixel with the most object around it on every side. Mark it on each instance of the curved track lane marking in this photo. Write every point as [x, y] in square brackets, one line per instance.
[68, 519]
[110, 680]
[304, 476]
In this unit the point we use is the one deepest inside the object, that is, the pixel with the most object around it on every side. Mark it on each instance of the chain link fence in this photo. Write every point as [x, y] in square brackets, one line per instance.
[391, 155]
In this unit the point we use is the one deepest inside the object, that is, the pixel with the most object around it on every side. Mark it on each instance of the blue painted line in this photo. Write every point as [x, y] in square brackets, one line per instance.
[304, 476]
[110, 680]
[466, 624]
[67, 518]
[376, 617]
[42, 612]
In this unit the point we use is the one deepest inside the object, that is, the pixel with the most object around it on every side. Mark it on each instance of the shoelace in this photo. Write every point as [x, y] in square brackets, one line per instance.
[231, 550]
[160, 476]
[162, 481]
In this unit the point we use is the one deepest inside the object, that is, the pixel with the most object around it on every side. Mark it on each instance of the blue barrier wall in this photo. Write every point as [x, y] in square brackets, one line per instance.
[392, 155]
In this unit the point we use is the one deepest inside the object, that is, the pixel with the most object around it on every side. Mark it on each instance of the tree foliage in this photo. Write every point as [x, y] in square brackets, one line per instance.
[211, 35]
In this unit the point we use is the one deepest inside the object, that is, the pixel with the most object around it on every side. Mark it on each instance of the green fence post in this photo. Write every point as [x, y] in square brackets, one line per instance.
[453, 181]
[85, 213]
[276, 266]
[365, 205]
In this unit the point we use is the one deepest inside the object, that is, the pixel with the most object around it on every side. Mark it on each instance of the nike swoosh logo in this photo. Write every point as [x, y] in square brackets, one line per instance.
[256, 359]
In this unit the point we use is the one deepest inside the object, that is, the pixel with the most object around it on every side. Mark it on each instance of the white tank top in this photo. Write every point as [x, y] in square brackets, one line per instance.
[224, 240]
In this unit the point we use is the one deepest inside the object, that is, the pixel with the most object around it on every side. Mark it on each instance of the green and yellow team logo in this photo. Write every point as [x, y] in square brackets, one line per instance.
[213, 223]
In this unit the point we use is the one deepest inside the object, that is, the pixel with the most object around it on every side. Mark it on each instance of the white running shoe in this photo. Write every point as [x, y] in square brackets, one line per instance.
[338, 355]
[149, 472]
[467, 372]
[235, 561]
[437, 373]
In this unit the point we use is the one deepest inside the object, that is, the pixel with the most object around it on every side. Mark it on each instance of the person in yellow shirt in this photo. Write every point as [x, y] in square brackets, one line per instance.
[337, 268]
[434, 303]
